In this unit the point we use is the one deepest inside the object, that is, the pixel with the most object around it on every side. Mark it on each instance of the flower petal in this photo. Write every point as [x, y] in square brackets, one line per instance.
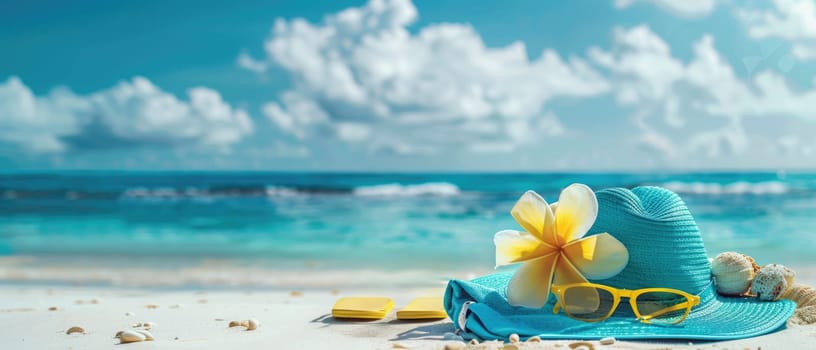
[598, 256]
[577, 210]
[532, 212]
[566, 272]
[514, 246]
[530, 286]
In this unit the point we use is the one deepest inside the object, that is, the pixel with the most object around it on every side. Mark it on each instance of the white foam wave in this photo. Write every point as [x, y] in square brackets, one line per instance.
[734, 188]
[443, 189]
[162, 192]
[273, 191]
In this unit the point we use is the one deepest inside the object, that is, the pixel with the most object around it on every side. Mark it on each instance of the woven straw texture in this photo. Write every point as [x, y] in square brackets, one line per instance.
[665, 250]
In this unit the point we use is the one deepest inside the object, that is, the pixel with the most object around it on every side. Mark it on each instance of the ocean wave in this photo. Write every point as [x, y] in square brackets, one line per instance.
[734, 188]
[441, 189]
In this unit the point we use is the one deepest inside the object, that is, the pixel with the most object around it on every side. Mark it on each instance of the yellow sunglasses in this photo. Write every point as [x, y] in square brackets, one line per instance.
[590, 302]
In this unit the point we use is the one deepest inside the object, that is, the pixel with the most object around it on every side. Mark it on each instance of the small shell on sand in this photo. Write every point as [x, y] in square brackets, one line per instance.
[145, 325]
[146, 334]
[513, 338]
[473, 342]
[296, 293]
[608, 341]
[53, 308]
[534, 339]
[130, 337]
[151, 306]
[733, 273]
[250, 324]
[581, 344]
[75, 329]
[801, 294]
[457, 345]
[771, 282]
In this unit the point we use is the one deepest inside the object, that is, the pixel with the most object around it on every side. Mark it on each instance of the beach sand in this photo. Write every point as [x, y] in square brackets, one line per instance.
[291, 318]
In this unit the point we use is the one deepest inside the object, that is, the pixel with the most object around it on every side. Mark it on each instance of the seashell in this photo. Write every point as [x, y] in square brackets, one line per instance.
[513, 338]
[145, 325]
[457, 345]
[252, 324]
[607, 341]
[130, 337]
[473, 342]
[146, 334]
[534, 339]
[771, 282]
[581, 344]
[803, 295]
[733, 273]
[75, 329]
[787, 272]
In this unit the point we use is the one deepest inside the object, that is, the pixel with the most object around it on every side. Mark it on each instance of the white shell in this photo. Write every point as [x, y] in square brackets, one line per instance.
[771, 281]
[732, 272]
[130, 336]
[252, 324]
[146, 334]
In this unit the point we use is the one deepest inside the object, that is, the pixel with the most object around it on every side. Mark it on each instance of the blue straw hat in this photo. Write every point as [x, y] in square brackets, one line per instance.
[665, 250]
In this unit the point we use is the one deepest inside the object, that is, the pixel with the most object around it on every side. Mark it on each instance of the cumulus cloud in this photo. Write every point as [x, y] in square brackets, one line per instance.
[362, 77]
[683, 8]
[702, 107]
[130, 114]
[247, 62]
[793, 20]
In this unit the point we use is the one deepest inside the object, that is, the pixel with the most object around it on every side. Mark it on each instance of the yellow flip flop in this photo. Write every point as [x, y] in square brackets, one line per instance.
[422, 309]
[373, 308]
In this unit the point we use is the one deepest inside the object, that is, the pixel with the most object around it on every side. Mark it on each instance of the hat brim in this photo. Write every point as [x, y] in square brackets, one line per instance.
[716, 318]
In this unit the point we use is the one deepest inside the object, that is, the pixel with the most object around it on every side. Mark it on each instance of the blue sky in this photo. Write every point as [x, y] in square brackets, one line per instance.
[394, 85]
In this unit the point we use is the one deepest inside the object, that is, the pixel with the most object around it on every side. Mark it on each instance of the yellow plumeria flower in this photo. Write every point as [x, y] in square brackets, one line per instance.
[553, 249]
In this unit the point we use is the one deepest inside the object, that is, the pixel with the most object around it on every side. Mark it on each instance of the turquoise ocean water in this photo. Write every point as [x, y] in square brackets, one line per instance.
[424, 221]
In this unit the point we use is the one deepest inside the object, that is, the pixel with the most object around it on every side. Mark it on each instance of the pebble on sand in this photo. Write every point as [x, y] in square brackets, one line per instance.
[581, 345]
[608, 341]
[75, 329]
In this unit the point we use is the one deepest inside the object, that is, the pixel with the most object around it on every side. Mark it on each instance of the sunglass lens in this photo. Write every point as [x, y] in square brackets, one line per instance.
[662, 307]
[588, 303]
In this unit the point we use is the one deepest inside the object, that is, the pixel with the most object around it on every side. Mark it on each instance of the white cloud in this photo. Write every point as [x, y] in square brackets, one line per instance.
[793, 20]
[246, 61]
[683, 8]
[36, 122]
[414, 92]
[704, 107]
[132, 113]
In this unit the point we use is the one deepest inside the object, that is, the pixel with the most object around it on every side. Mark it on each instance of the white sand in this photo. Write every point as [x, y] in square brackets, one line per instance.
[197, 319]
[287, 321]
